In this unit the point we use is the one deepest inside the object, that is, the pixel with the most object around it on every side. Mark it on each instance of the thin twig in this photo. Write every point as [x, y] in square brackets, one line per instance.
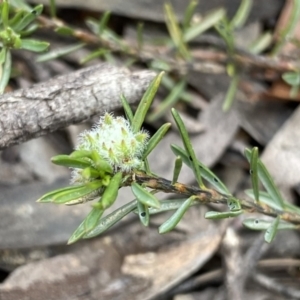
[209, 196]
[200, 58]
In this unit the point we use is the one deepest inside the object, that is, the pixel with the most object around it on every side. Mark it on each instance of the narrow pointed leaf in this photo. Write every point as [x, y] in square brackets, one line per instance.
[175, 31]
[140, 40]
[267, 181]
[171, 223]
[103, 22]
[127, 109]
[207, 22]
[34, 45]
[242, 14]
[81, 230]
[188, 147]
[145, 103]
[68, 161]
[206, 173]
[156, 138]
[144, 196]
[166, 205]
[59, 52]
[111, 192]
[266, 198]
[28, 18]
[272, 230]
[177, 169]
[5, 13]
[229, 98]
[261, 43]
[188, 14]
[143, 212]
[92, 219]
[222, 215]
[80, 154]
[168, 102]
[254, 172]
[63, 196]
[6, 70]
[52, 9]
[108, 221]
[258, 224]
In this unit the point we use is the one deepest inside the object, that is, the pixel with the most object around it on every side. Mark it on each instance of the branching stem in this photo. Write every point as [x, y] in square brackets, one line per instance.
[209, 196]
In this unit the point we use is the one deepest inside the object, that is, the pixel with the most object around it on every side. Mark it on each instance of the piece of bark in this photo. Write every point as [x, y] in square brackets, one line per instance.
[63, 277]
[66, 100]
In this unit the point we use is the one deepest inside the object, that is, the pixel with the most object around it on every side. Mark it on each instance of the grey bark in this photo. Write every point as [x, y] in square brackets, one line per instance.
[67, 99]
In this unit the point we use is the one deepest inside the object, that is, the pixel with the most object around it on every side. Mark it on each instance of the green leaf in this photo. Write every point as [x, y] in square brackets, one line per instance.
[143, 196]
[177, 169]
[272, 230]
[287, 32]
[65, 30]
[226, 32]
[89, 222]
[259, 224]
[28, 18]
[145, 103]
[16, 18]
[143, 212]
[168, 102]
[52, 9]
[207, 22]
[167, 205]
[5, 13]
[127, 109]
[69, 161]
[92, 219]
[103, 22]
[108, 221]
[242, 14]
[267, 181]
[222, 215]
[155, 139]
[20, 4]
[254, 172]
[111, 192]
[291, 78]
[206, 173]
[95, 54]
[6, 70]
[171, 223]
[229, 98]
[59, 52]
[90, 173]
[188, 147]
[261, 43]
[70, 194]
[140, 40]
[266, 198]
[2, 55]
[34, 45]
[175, 31]
[188, 14]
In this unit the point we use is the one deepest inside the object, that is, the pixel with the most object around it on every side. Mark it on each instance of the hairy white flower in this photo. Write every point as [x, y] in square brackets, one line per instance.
[113, 138]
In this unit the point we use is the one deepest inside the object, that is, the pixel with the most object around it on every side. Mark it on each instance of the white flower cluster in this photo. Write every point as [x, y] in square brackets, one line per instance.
[113, 138]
